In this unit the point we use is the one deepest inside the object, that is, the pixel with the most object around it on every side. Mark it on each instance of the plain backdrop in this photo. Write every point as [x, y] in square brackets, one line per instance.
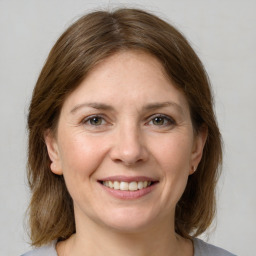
[223, 33]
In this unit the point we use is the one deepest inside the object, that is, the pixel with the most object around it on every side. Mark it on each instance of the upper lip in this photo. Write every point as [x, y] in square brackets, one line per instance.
[128, 178]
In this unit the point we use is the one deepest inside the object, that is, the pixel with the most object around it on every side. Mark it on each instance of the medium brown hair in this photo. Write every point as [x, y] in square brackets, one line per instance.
[91, 39]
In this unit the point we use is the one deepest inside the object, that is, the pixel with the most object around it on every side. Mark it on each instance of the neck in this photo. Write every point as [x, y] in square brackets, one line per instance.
[93, 240]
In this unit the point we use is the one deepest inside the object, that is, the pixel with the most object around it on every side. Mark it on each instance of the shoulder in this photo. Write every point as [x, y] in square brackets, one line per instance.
[202, 248]
[48, 250]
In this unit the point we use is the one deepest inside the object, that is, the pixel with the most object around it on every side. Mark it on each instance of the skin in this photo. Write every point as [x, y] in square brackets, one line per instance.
[131, 139]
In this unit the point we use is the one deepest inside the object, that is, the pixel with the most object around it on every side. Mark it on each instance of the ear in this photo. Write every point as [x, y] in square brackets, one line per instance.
[198, 147]
[53, 152]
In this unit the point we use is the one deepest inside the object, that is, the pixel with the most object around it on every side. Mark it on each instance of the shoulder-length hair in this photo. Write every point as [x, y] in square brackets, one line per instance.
[91, 39]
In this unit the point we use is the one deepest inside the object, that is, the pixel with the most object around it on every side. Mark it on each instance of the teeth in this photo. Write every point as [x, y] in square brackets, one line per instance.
[133, 186]
[140, 185]
[124, 185]
[110, 183]
[116, 185]
[127, 186]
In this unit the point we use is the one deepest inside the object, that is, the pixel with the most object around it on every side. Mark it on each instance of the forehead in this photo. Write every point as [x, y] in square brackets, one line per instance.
[127, 77]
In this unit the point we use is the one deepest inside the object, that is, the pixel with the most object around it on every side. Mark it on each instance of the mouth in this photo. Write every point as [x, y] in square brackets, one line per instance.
[127, 186]
[123, 187]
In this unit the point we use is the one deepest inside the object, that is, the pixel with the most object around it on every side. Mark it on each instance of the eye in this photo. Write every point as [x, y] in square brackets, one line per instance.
[161, 120]
[94, 121]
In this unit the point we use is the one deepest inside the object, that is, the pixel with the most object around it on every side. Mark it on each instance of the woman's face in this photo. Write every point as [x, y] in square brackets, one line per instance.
[125, 145]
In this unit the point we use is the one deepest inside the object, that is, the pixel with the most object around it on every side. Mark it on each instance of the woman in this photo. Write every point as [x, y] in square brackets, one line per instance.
[124, 149]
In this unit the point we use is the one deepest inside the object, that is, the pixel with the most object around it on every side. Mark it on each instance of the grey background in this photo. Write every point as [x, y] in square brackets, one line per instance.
[223, 33]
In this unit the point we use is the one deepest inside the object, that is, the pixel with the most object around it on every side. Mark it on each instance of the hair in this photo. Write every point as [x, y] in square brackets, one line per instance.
[91, 39]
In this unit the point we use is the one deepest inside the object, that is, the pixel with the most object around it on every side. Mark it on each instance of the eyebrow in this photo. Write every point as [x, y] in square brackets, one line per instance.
[151, 106]
[95, 105]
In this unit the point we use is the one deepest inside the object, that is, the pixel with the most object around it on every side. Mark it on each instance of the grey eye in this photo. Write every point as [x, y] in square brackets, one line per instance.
[96, 120]
[159, 120]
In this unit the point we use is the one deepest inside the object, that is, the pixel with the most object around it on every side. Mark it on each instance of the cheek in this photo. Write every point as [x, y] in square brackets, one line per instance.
[81, 155]
[173, 152]
[173, 157]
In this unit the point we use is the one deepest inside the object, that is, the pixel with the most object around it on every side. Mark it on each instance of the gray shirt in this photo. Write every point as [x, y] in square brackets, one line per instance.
[201, 248]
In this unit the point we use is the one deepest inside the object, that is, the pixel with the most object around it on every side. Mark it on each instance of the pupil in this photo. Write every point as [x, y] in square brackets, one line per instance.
[158, 120]
[96, 121]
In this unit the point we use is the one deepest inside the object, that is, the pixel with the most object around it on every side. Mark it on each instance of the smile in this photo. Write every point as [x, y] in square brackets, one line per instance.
[127, 186]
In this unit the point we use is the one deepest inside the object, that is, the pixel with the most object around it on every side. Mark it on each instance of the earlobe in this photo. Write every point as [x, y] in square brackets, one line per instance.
[198, 147]
[53, 152]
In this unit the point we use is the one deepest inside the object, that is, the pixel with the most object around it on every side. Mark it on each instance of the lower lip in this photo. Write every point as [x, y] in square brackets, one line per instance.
[128, 195]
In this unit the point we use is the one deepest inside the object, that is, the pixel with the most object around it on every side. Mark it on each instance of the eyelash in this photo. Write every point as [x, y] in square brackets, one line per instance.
[168, 121]
[90, 118]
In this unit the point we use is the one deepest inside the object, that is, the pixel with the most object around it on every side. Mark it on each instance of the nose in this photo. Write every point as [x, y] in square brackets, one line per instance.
[128, 146]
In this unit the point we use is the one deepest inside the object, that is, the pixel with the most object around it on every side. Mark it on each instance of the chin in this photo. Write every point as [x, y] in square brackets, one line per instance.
[129, 221]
